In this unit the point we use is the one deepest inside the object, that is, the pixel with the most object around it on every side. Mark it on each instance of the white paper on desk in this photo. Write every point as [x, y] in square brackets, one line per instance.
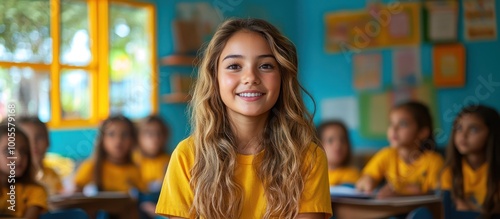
[347, 192]
[343, 108]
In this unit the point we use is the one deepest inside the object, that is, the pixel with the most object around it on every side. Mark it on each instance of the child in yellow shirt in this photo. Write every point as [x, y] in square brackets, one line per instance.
[152, 159]
[335, 140]
[253, 150]
[20, 195]
[111, 168]
[472, 167]
[38, 135]
[409, 165]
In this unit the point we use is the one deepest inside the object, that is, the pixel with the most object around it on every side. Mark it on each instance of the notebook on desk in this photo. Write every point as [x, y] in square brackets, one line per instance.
[344, 191]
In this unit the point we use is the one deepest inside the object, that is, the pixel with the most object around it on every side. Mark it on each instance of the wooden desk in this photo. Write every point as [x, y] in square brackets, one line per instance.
[374, 208]
[113, 203]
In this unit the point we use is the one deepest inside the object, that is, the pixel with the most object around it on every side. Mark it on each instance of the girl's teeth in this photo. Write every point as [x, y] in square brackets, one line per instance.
[250, 94]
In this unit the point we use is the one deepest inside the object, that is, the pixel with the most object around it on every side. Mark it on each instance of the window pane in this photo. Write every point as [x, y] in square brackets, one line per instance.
[27, 89]
[75, 38]
[130, 61]
[75, 94]
[24, 31]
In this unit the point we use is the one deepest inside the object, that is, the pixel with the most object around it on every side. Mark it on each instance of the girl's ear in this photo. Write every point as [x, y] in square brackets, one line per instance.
[424, 133]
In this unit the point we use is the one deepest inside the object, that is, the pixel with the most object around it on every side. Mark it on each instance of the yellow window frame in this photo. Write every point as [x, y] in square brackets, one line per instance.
[98, 68]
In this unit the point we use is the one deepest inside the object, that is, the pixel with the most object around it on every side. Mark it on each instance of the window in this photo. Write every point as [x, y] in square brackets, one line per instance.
[75, 62]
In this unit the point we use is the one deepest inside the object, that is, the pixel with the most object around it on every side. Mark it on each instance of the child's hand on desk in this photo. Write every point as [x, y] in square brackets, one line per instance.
[386, 191]
[365, 184]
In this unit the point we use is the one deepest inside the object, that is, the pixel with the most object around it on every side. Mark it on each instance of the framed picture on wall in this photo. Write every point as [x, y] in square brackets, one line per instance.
[404, 27]
[449, 65]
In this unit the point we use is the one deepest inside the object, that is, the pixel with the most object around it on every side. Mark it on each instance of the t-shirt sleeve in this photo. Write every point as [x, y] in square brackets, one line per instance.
[36, 197]
[176, 196]
[138, 181]
[316, 195]
[376, 167]
[446, 179]
[351, 175]
[435, 168]
[84, 174]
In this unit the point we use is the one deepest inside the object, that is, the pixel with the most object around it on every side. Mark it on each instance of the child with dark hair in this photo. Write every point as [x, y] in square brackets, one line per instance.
[335, 140]
[38, 135]
[471, 170]
[111, 168]
[409, 165]
[20, 195]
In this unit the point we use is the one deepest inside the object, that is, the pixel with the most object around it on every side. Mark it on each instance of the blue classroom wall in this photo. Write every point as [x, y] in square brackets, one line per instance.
[78, 143]
[327, 75]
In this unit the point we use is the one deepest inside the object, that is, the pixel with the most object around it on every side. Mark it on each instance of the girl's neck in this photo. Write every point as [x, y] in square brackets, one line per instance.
[333, 166]
[475, 160]
[409, 154]
[248, 132]
[117, 161]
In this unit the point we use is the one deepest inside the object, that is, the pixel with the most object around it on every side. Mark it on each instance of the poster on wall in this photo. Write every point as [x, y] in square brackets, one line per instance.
[367, 71]
[404, 27]
[448, 63]
[345, 31]
[406, 66]
[442, 21]
[344, 109]
[479, 20]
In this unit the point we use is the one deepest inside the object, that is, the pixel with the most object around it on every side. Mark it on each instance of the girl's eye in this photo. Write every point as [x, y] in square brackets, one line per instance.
[403, 123]
[474, 129]
[458, 128]
[233, 67]
[267, 66]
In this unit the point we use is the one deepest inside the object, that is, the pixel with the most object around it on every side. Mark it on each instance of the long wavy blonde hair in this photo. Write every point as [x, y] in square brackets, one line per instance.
[286, 137]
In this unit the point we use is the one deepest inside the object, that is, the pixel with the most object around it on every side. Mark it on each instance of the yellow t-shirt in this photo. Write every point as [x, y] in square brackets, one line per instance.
[26, 195]
[176, 195]
[115, 178]
[343, 175]
[475, 182]
[424, 171]
[50, 180]
[152, 168]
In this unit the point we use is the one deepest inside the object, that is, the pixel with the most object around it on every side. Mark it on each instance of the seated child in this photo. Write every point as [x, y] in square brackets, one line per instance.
[152, 159]
[20, 195]
[335, 141]
[409, 165]
[472, 172]
[111, 168]
[38, 135]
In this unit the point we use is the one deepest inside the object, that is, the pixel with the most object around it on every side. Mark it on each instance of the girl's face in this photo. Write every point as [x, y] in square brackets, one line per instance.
[21, 154]
[248, 75]
[334, 141]
[117, 140]
[39, 141]
[471, 134]
[403, 129]
[151, 138]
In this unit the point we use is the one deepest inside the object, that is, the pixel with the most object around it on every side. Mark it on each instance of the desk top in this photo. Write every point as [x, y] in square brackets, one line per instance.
[394, 202]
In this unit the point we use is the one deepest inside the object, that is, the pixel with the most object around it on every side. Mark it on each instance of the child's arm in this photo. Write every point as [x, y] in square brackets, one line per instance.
[463, 205]
[33, 212]
[366, 184]
[310, 216]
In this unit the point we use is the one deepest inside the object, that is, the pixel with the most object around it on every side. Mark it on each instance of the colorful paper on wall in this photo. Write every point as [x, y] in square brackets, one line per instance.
[449, 65]
[480, 20]
[442, 21]
[367, 71]
[344, 109]
[374, 112]
[406, 66]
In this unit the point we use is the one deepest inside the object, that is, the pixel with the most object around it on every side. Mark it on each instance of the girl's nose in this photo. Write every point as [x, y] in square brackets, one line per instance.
[250, 76]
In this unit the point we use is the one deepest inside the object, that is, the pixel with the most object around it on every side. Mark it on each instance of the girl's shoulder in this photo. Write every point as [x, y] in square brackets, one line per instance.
[185, 146]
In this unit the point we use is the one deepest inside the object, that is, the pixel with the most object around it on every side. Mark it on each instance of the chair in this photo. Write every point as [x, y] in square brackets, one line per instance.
[420, 213]
[64, 214]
